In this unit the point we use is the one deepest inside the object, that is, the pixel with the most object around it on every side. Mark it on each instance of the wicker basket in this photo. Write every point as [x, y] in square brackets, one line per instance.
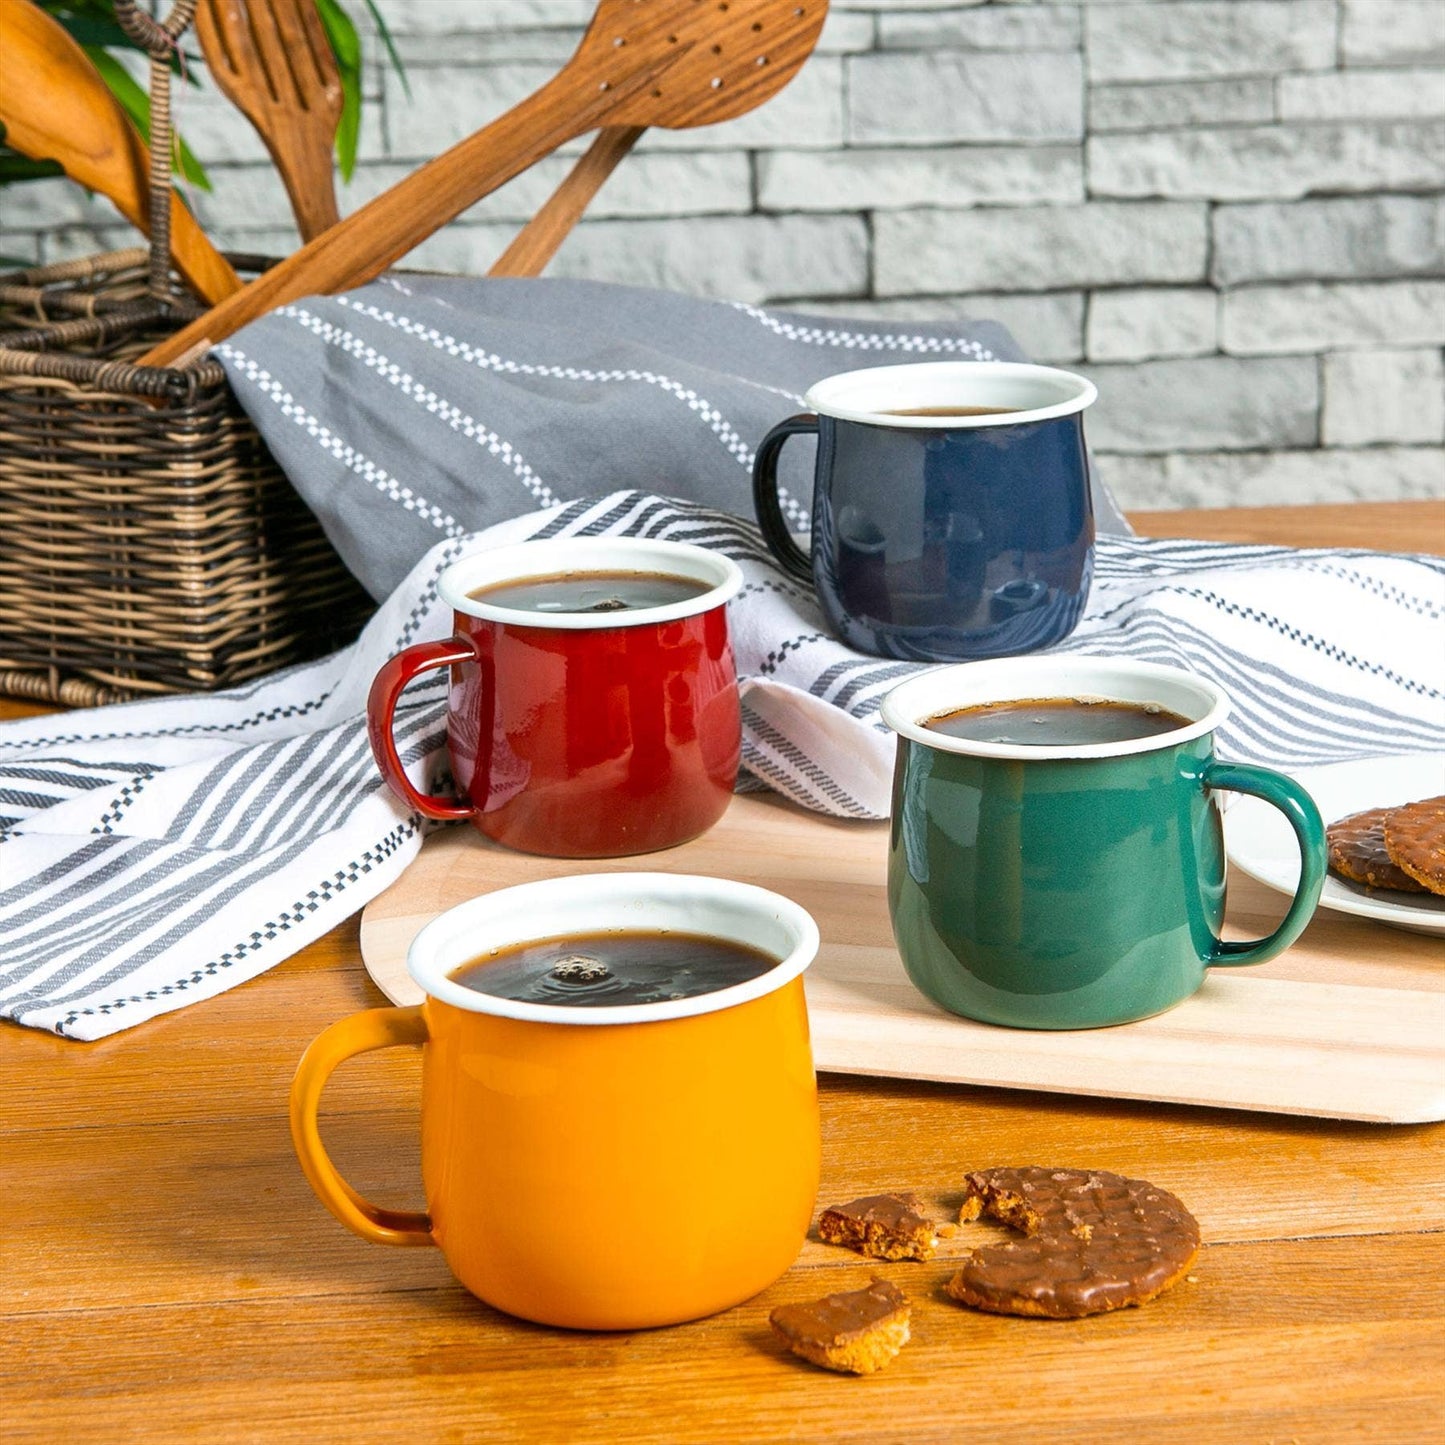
[149, 543]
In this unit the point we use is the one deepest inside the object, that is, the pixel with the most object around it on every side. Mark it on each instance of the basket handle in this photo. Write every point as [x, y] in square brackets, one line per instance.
[159, 39]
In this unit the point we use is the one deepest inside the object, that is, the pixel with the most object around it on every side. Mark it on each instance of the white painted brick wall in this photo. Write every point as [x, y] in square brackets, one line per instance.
[1214, 37]
[1038, 248]
[1364, 94]
[1374, 236]
[1207, 403]
[935, 97]
[1236, 100]
[1288, 161]
[890, 178]
[994, 27]
[1392, 32]
[1331, 316]
[1164, 321]
[1229, 213]
[1383, 396]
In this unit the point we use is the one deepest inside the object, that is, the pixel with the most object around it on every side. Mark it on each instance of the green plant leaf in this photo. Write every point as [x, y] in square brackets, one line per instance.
[345, 42]
[16, 167]
[94, 30]
[346, 47]
[348, 127]
[124, 86]
[186, 163]
[385, 33]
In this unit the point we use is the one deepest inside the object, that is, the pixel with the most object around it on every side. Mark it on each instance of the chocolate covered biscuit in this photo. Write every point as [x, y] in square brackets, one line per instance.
[883, 1226]
[1357, 852]
[1093, 1241]
[857, 1332]
[1415, 841]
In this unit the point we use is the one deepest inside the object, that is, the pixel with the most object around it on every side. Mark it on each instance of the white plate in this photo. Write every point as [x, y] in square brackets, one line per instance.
[1258, 840]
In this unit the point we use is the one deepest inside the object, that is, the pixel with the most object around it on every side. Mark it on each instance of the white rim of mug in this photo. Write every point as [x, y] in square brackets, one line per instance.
[599, 902]
[1078, 392]
[517, 561]
[948, 689]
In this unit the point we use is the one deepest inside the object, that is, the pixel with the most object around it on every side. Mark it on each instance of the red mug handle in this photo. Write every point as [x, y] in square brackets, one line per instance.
[381, 712]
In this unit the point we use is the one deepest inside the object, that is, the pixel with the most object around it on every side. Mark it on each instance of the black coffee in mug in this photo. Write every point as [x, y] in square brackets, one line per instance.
[592, 591]
[604, 970]
[1057, 721]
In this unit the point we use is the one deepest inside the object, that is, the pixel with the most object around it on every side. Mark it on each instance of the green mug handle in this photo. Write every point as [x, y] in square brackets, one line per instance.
[1299, 808]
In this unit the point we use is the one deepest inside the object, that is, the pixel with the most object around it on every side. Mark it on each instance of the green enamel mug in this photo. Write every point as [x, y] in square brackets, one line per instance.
[1070, 886]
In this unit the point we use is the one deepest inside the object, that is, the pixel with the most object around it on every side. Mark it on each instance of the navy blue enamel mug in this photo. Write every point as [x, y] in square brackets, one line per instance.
[952, 517]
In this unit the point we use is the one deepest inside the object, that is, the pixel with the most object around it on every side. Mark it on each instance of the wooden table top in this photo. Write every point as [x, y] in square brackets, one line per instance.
[165, 1270]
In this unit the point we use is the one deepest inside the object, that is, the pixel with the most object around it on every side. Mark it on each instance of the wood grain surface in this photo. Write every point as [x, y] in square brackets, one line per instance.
[168, 1275]
[1348, 1024]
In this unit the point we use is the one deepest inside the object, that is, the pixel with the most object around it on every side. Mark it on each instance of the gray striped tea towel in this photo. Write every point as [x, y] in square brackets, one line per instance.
[420, 408]
[155, 854]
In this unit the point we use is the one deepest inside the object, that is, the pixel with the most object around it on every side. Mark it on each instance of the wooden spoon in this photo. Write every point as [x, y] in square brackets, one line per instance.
[537, 242]
[55, 106]
[272, 59]
[672, 63]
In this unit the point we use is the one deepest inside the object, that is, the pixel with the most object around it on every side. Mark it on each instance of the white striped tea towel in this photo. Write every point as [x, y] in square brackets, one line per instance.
[158, 853]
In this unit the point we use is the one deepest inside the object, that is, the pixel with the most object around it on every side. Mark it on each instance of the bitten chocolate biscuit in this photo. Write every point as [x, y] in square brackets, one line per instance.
[883, 1226]
[1415, 841]
[857, 1332]
[1357, 852]
[1093, 1242]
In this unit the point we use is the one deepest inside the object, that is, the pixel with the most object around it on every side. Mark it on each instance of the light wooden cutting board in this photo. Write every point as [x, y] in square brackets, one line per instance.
[1348, 1024]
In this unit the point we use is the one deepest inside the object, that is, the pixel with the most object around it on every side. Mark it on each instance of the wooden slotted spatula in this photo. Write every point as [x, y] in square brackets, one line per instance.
[673, 63]
[272, 60]
[537, 242]
[55, 106]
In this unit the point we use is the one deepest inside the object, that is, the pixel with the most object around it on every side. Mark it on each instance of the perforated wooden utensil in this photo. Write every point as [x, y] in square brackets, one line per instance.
[272, 60]
[55, 106]
[673, 63]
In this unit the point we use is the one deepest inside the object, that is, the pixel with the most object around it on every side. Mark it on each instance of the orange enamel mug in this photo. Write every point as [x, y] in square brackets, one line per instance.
[603, 1168]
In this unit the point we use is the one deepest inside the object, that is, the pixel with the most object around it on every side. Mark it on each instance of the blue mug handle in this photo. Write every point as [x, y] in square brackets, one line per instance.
[791, 557]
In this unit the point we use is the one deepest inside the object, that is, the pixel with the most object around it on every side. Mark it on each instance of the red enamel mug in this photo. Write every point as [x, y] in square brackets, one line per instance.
[579, 734]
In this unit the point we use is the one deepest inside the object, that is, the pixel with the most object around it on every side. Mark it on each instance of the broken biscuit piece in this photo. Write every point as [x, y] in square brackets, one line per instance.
[854, 1333]
[882, 1226]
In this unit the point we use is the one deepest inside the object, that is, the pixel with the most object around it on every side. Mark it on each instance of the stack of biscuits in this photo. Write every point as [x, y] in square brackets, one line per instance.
[1402, 849]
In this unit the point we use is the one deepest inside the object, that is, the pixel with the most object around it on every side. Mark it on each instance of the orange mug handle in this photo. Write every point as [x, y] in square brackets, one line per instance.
[375, 1028]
